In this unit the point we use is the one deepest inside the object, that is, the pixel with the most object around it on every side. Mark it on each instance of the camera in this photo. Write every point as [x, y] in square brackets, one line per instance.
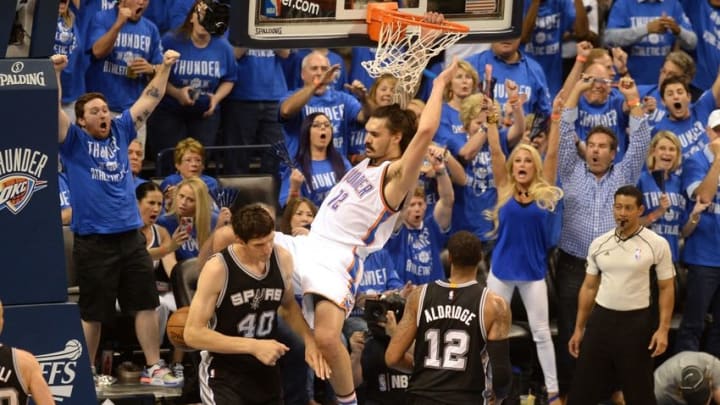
[376, 310]
[217, 16]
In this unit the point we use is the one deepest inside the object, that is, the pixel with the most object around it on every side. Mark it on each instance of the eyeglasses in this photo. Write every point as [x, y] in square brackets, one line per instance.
[192, 160]
[321, 125]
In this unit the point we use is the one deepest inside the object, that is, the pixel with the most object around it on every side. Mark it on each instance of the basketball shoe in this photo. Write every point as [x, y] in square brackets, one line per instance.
[159, 374]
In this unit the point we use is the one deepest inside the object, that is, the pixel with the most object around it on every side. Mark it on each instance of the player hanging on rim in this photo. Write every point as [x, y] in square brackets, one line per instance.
[357, 218]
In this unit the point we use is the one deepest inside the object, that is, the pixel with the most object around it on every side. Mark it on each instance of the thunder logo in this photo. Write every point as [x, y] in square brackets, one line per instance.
[20, 171]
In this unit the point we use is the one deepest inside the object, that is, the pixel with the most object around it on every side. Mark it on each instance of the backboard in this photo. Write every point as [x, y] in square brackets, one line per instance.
[333, 23]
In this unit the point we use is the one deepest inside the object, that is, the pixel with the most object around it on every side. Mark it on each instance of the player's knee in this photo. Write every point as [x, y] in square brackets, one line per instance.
[328, 341]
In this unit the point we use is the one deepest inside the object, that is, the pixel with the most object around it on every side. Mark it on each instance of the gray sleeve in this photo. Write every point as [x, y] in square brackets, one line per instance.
[687, 39]
[624, 36]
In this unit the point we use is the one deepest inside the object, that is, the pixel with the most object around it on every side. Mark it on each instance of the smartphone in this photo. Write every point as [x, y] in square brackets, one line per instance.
[187, 224]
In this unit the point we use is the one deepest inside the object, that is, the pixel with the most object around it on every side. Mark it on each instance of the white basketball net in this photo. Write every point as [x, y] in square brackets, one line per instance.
[405, 55]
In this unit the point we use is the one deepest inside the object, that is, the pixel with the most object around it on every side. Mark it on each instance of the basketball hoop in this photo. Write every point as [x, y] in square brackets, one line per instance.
[405, 54]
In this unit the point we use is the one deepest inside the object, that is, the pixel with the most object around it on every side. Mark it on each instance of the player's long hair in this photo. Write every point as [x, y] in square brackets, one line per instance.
[203, 207]
[303, 158]
[543, 193]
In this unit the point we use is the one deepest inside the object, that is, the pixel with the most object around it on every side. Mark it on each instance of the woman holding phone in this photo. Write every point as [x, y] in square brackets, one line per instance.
[191, 209]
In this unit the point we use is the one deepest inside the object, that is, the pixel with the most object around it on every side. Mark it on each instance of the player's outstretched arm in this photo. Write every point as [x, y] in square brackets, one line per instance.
[199, 336]
[397, 355]
[403, 173]
[290, 311]
[498, 318]
[154, 91]
[33, 377]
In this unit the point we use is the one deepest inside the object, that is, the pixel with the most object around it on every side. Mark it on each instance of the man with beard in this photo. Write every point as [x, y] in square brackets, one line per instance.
[686, 119]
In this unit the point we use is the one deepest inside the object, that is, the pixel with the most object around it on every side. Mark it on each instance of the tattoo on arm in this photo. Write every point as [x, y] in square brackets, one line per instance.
[503, 319]
[153, 92]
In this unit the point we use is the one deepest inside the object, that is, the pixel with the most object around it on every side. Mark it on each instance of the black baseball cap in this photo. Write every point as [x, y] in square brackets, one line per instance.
[694, 387]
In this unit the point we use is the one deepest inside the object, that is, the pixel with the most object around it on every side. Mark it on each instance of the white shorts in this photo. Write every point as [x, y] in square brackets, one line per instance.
[329, 270]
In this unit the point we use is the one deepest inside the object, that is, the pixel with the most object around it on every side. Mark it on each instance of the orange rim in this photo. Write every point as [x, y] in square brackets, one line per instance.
[386, 13]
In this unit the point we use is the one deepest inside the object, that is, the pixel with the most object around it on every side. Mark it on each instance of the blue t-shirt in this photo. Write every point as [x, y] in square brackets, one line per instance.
[451, 126]
[262, 77]
[479, 193]
[341, 108]
[652, 90]
[357, 71]
[203, 69]
[64, 191]
[609, 114]
[379, 274]
[646, 56]
[554, 18]
[109, 75]
[323, 179]
[706, 24]
[68, 42]
[191, 247]
[669, 225]
[701, 247]
[101, 183]
[528, 75]
[158, 11]
[175, 178]
[178, 11]
[690, 131]
[523, 242]
[417, 251]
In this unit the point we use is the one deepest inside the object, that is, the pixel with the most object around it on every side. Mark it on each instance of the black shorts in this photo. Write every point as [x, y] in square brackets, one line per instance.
[110, 267]
[221, 386]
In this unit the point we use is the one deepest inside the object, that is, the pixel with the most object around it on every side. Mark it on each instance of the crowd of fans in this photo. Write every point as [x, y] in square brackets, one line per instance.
[575, 121]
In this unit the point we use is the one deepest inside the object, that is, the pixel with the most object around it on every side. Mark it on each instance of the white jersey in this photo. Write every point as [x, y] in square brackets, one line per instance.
[355, 213]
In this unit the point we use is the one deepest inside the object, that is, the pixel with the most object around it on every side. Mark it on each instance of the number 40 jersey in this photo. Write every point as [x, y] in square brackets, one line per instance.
[451, 362]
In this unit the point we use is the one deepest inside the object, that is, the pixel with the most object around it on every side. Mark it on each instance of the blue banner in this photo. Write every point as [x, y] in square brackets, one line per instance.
[33, 259]
[52, 332]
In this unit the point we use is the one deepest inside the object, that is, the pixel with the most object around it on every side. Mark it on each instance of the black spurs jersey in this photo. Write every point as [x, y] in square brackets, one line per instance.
[12, 388]
[450, 355]
[247, 307]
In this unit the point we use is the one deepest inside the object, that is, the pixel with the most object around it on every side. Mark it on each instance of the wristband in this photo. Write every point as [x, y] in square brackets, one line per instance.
[492, 119]
[440, 172]
[555, 117]
[581, 58]
[634, 103]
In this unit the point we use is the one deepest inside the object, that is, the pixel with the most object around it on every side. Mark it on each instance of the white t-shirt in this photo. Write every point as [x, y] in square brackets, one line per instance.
[624, 267]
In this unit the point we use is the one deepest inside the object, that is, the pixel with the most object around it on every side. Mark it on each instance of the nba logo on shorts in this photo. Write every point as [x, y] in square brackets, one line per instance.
[270, 8]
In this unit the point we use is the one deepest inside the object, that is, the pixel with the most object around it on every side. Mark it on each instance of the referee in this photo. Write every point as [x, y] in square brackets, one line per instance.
[614, 319]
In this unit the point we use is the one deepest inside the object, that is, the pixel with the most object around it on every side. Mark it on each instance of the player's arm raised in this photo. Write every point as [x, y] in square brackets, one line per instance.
[199, 336]
[291, 313]
[154, 91]
[404, 172]
[397, 355]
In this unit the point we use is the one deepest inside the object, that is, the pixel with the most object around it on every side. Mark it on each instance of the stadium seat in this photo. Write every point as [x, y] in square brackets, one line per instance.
[73, 290]
[252, 189]
[184, 281]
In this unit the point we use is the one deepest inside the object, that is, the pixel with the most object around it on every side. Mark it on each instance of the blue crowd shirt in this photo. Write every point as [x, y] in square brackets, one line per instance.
[262, 77]
[646, 56]
[109, 75]
[191, 247]
[178, 12]
[669, 226]
[706, 24]
[64, 191]
[379, 274]
[690, 131]
[523, 242]
[450, 126]
[417, 251]
[203, 69]
[341, 108]
[652, 90]
[68, 42]
[100, 180]
[323, 179]
[528, 75]
[357, 71]
[554, 18]
[609, 114]
[701, 247]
